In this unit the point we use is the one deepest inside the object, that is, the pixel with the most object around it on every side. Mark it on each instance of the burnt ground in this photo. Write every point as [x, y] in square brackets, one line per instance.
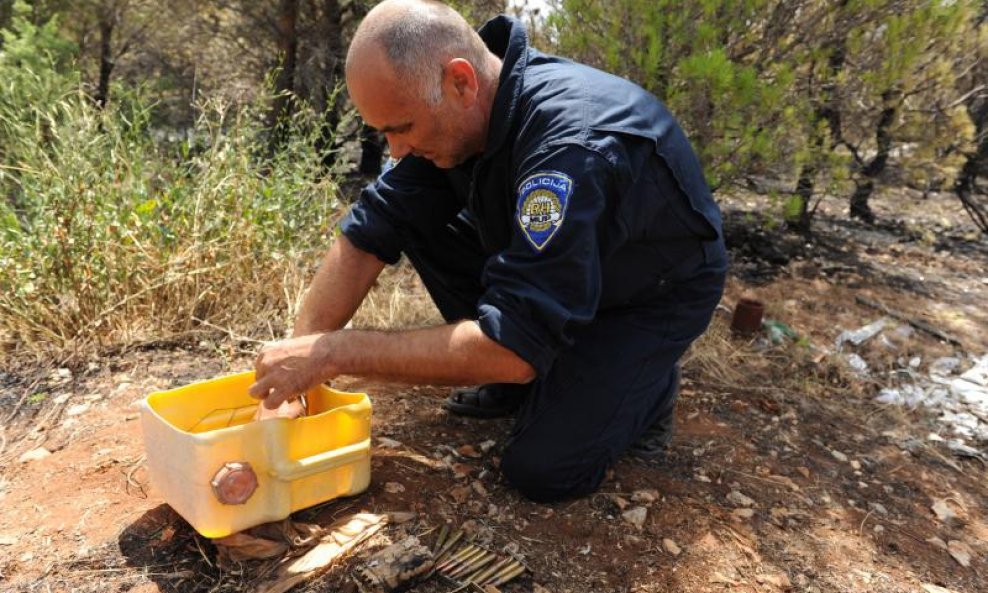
[784, 474]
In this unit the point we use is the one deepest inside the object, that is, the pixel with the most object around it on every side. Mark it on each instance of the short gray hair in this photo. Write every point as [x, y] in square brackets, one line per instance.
[422, 40]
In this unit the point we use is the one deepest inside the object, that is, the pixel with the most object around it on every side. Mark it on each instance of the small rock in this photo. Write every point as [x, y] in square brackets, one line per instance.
[34, 455]
[461, 471]
[468, 451]
[878, 508]
[635, 516]
[805, 471]
[461, 494]
[671, 547]
[388, 443]
[478, 487]
[960, 551]
[7, 540]
[77, 409]
[937, 542]
[738, 499]
[26, 557]
[946, 514]
[780, 580]
[936, 589]
[619, 501]
[720, 579]
[702, 478]
[838, 456]
[394, 488]
[537, 588]
[743, 514]
[64, 373]
[645, 496]
[855, 464]
[487, 445]
[401, 517]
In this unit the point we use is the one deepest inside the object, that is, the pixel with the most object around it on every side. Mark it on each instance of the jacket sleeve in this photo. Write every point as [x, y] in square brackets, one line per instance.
[413, 197]
[548, 279]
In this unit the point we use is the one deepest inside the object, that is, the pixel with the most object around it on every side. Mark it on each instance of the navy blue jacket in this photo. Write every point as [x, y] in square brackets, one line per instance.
[574, 210]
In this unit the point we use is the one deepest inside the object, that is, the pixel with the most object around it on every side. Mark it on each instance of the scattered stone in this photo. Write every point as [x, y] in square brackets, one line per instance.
[64, 373]
[461, 471]
[936, 589]
[34, 455]
[779, 579]
[738, 499]
[394, 488]
[619, 501]
[461, 494]
[838, 456]
[960, 551]
[805, 471]
[388, 443]
[946, 514]
[401, 517]
[77, 409]
[487, 445]
[7, 540]
[671, 547]
[702, 478]
[878, 508]
[720, 579]
[537, 588]
[468, 451]
[478, 487]
[937, 542]
[26, 557]
[743, 514]
[635, 516]
[855, 464]
[645, 496]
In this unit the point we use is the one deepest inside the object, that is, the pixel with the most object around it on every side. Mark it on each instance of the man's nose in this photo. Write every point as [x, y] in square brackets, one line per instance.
[398, 148]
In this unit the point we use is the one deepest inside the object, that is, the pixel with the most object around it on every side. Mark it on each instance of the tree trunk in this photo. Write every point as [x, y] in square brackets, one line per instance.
[107, 21]
[883, 139]
[284, 85]
[332, 105]
[828, 110]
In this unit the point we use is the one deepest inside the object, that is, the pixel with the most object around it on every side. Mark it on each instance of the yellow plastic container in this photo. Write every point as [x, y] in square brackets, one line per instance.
[195, 434]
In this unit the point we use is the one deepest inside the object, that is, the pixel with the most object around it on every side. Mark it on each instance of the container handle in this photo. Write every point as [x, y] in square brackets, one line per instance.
[320, 462]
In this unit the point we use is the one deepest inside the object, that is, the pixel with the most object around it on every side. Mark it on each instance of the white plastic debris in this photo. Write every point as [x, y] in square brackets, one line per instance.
[944, 366]
[978, 374]
[862, 334]
[857, 363]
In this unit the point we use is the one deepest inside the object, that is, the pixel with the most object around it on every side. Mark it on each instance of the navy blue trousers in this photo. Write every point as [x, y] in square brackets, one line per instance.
[604, 390]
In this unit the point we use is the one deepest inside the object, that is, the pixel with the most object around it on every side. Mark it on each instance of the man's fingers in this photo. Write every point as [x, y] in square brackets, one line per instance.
[260, 388]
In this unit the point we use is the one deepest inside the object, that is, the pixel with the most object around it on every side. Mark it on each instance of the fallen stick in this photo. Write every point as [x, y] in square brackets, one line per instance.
[341, 538]
[917, 323]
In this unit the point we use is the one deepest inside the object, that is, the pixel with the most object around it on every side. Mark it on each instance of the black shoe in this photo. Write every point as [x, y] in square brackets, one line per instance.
[496, 400]
[653, 442]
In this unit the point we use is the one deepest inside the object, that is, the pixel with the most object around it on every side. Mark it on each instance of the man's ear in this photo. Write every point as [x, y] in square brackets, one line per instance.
[460, 81]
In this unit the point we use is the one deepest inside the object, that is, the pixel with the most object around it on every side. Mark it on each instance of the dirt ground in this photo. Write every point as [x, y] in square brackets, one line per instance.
[784, 473]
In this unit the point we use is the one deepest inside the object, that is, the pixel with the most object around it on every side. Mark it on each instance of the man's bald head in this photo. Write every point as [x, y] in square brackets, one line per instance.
[416, 38]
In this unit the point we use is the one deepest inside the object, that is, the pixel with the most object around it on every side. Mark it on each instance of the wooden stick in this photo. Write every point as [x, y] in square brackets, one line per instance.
[917, 323]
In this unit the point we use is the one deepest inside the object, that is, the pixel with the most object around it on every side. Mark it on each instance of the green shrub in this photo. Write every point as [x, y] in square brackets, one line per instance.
[107, 235]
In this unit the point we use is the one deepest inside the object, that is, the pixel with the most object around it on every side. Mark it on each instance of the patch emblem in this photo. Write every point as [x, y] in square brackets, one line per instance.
[542, 201]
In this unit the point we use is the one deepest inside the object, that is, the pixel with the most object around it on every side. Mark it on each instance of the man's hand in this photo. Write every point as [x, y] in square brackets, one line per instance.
[287, 369]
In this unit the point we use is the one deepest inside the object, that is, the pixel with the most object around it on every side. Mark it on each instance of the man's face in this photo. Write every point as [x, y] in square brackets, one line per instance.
[440, 133]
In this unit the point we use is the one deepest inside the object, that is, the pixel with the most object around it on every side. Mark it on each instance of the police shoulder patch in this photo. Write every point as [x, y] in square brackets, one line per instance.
[542, 201]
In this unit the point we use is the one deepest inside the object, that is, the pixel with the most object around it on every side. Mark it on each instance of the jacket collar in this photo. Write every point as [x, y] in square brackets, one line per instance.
[506, 37]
